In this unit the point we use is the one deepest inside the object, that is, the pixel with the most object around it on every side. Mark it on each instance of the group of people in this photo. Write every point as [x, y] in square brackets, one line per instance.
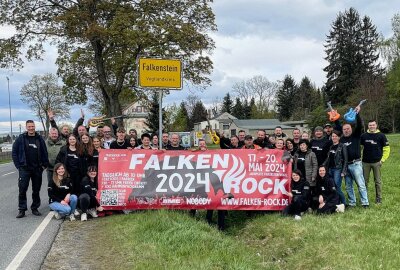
[322, 160]
[319, 164]
[71, 162]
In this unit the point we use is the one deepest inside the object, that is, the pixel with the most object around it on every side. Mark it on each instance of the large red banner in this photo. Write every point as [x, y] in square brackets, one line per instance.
[212, 179]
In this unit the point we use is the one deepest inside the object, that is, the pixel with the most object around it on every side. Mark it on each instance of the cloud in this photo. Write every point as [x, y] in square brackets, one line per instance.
[255, 37]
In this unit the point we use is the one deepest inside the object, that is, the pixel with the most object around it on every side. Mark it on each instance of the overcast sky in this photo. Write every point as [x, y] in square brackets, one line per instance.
[254, 37]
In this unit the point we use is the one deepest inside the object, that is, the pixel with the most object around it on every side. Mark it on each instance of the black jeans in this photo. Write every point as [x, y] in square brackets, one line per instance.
[297, 206]
[86, 202]
[25, 175]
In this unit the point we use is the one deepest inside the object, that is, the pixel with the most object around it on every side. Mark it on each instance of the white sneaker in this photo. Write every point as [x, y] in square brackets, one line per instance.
[72, 217]
[83, 217]
[57, 215]
[92, 212]
[76, 212]
[296, 217]
[340, 208]
[126, 212]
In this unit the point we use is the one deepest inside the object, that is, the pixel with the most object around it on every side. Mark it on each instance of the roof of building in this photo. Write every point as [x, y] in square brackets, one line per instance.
[223, 115]
[260, 124]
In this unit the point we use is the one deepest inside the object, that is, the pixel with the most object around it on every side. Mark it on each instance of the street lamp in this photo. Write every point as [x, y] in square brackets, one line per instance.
[9, 105]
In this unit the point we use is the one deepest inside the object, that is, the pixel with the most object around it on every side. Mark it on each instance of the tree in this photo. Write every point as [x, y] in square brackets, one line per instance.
[191, 101]
[391, 46]
[238, 110]
[261, 89]
[199, 114]
[152, 119]
[41, 94]
[227, 104]
[181, 120]
[99, 41]
[285, 99]
[307, 99]
[352, 51]
[246, 110]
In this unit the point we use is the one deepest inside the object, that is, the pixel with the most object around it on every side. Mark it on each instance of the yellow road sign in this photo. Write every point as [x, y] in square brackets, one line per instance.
[160, 73]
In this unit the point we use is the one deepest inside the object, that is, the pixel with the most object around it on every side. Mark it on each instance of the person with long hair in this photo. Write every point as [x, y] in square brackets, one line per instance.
[336, 162]
[97, 145]
[62, 201]
[133, 143]
[87, 200]
[289, 144]
[328, 197]
[300, 195]
[88, 149]
[71, 155]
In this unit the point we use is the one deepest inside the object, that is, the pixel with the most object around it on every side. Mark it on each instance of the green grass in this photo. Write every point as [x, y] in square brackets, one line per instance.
[2, 161]
[357, 239]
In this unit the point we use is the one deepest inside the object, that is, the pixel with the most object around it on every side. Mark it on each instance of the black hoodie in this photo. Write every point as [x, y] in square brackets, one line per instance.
[327, 189]
[301, 189]
[58, 193]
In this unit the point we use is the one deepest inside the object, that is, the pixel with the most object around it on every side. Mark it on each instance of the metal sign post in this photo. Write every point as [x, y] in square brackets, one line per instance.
[160, 126]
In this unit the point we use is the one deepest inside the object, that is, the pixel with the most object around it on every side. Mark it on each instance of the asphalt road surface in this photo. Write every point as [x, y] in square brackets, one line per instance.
[16, 235]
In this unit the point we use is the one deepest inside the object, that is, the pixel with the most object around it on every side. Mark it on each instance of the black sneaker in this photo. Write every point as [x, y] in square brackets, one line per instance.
[365, 206]
[21, 214]
[36, 212]
[378, 201]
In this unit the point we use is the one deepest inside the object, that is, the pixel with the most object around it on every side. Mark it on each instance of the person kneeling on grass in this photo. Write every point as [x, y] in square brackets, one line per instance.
[87, 200]
[328, 196]
[62, 202]
[300, 195]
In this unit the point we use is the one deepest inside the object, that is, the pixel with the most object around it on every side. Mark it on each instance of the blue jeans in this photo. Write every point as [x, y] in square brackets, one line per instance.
[355, 172]
[335, 174]
[65, 210]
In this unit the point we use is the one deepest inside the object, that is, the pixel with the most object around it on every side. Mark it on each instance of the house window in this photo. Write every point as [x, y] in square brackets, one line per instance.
[225, 126]
[233, 132]
[138, 109]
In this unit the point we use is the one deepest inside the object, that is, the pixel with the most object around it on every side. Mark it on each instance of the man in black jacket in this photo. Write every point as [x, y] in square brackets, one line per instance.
[30, 157]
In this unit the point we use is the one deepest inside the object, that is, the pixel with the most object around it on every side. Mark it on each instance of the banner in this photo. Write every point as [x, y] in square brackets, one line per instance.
[211, 179]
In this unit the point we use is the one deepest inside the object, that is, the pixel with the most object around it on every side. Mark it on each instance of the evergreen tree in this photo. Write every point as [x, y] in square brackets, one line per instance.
[152, 118]
[352, 52]
[286, 100]
[227, 104]
[199, 114]
[307, 99]
[238, 109]
[181, 122]
[253, 108]
[246, 110]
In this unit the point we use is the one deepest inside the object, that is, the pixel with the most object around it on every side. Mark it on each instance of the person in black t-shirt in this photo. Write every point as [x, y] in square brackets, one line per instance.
[328, 197]
[300, 194]
[174, 144]
[320, 145]
[121, 142]
[71, 155]
[376, 152]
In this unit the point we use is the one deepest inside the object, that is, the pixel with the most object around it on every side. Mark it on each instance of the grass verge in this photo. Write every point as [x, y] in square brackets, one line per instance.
[357, 239]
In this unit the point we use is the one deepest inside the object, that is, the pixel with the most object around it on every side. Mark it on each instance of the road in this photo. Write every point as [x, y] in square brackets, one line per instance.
[15, 233]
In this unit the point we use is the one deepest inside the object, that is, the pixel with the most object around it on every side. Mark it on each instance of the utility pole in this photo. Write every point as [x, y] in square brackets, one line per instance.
[9, 105]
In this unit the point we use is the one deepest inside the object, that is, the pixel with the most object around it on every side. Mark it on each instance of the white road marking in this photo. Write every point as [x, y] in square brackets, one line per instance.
[8, 173]
[29, 244]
